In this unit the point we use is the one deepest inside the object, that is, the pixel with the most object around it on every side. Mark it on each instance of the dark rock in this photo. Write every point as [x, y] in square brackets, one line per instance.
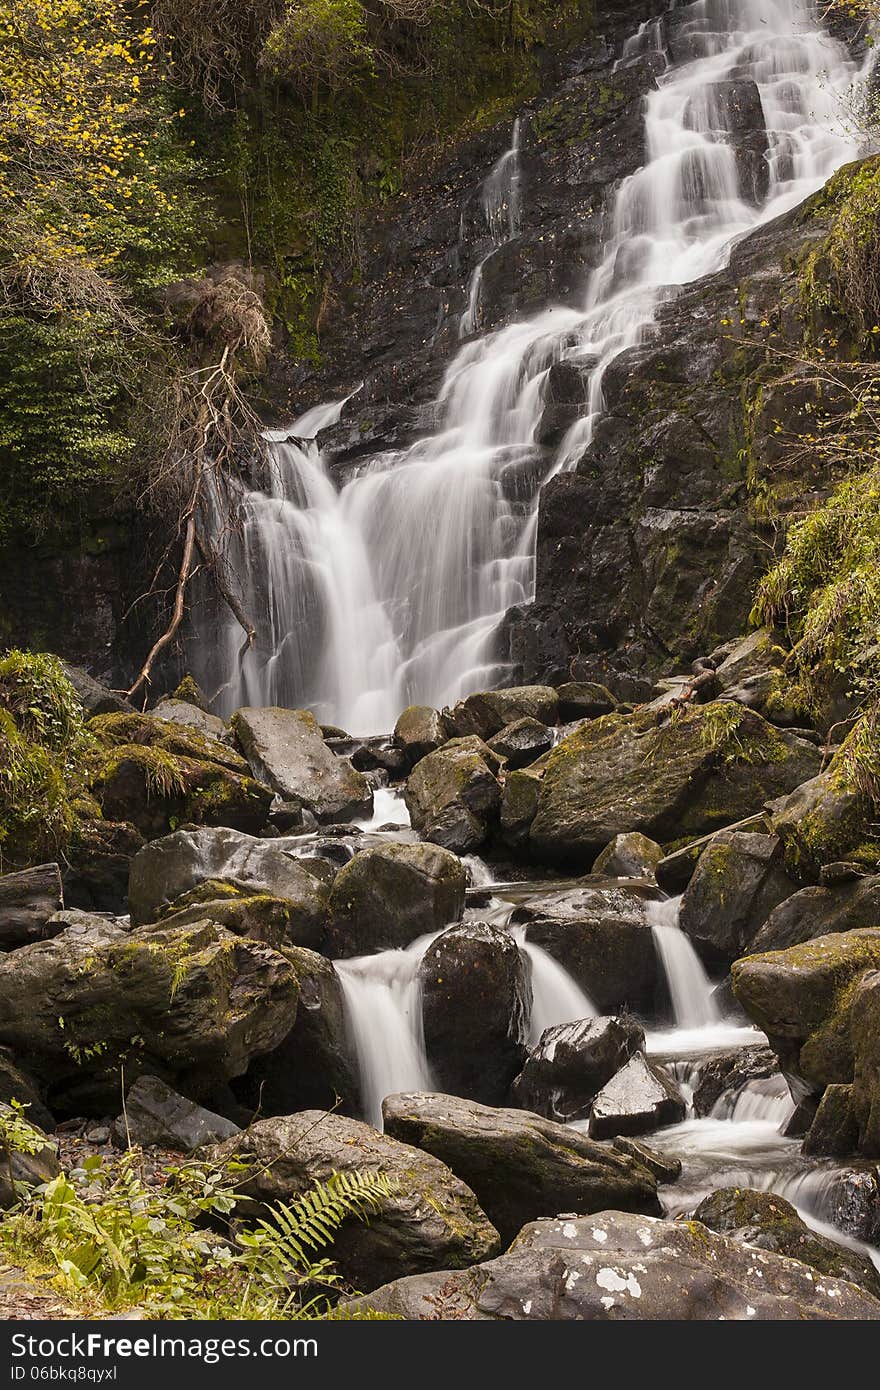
[821, 823]
[664, 1168]
[584, 700]
[453, 795]
[620, 1267]
[522, 743]
[738, 881]
[387, 897]
[852, 1203]
[259, 916]
[639, 1099]
[767, 1222]
[20, 1170]
[99, 863]
[728, 1072]
[603, 938]
[28, 900]
[834, 1132]
[819, 912]
[628, 856]
[476, 1005]
[15, 1084]
[572, 1062]
[432, 1221]
[419, 731]
[864, 1028]
[156, 1114]
[284, 748]
[95, 697]
[490, 711]
[519, 1165]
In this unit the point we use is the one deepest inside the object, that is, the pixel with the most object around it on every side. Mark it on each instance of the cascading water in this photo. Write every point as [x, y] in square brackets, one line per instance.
[689, 986]
[556, 997]
[499, 204]
[393, 590]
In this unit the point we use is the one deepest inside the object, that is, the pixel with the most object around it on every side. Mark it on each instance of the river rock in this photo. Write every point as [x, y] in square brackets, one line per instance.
[603, 938]
[193, 1005]
[834, 1132]
[99, 862]
[864, 1028]
[284, 748]
[820, 911]
[639, 1099]
[490, 711]
[852, 1202]
[768, 1222]
[453, 796]
[821, 823]
[628, 856]
[20, 1170]
[620, 1267]
[387, 897]
[519, 804]
[28, 901]
[156, 1114]
[191, 717]
[432, 1221]
[801, 999]
[259, 916]
[519, 1165]
[169, 868]
[665, 1169]
[419, 731]
[572, 1062]
[740, 878]
[476, 1005]
[522, 743]
[668, 778]
[584, 700]
[726, 1073]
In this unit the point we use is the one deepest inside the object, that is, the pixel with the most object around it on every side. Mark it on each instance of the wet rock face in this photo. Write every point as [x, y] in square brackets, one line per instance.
[285, 749]
[419, 731]
[476, 1005]
[519, 1165]
[738, 881]
[432, 1221]
[639, 1099]
[629, 856]
[386, 898]
[621, 1267]
[727, 1072]
[572, 1062]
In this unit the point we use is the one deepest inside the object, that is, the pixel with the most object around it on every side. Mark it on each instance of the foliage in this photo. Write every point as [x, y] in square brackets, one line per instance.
[108, 1233]
[318, 44]
[17, 1134]
[842, 276]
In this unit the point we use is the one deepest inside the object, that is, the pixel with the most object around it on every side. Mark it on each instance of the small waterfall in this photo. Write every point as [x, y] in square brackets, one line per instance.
[383, 1003]
[689, 986]
[556, 997]
[500, 205]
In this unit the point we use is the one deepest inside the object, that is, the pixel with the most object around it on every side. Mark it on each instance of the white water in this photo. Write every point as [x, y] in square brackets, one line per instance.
[556, 997]
[500, 207]
[392, 590]
[689, 986]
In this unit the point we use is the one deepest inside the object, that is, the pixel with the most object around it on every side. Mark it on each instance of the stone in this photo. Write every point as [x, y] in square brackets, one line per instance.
[696, 773]
[191, 717]
[620, 1267]
[490, 711]
[520, 1166]
[726, 1073]
[864, 1028]
[94, 697]
[193, 1005]
[572, 1062]
[801, 999]
[284, 748]
[431, 1221]
[639, 1099]
[819, 911]
[476, 1006]
[584, 700]
[522, 743]
[419, 731]
[169, 868]
[852, 1202]
[387, 897]
[20, 1170]
[628, 856]
[259, 916]
[767, 1222]
[99, 862]
[16, 1084]
[28, 901]
[453, 796]
[519, 804]
[156, 1114]
[834, 1132]
[664, 1168]
[821, 823]
[739, 879]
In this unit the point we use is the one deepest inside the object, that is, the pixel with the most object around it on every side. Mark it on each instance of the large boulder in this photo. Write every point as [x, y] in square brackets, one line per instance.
[572, 1062]
[476, 1005]
[819, 911]
[620, 1267]
[602, 937]
[99, 861]
[192, 1004]
[490, 711]
[666, 776]
[388, 896]
[156, 1114]
[738, 881]
[801, 999]
[284, 748]
[520, 1166]
[834, 1132]
[169, 868]
[628, 856]
[822, 822]
[768, 1222]
[191, 717]
[453, 795]
[431, 1221]
[640, 1098]
[865, 1034]
[419, 731]
[28, 901]
[522, 743]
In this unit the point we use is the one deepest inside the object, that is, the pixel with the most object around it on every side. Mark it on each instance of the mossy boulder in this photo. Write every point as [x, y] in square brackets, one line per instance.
[865, 1034]
[739, 879]
[259, 916]
[834, 1132]
[519, 803]
[666, 774]
[801, 999]
[431, 1222]
[176, 711]
[453, 795]
[823, 822]
[768, 1222]
[419, 731]
[819, 911]
[522, 743]
[191, 1004]
[628, 856]
[285, 749]
[388, 896]
[520, 1166]
[490, 711]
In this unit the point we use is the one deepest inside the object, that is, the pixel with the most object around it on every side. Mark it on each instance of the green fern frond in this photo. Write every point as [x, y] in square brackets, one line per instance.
[309, 1222]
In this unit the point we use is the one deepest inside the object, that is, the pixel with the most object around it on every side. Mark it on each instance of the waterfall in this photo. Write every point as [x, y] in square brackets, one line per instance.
[556, 997]
[500, 206]
[392, 590]
[689, 985]
[383, 1004]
